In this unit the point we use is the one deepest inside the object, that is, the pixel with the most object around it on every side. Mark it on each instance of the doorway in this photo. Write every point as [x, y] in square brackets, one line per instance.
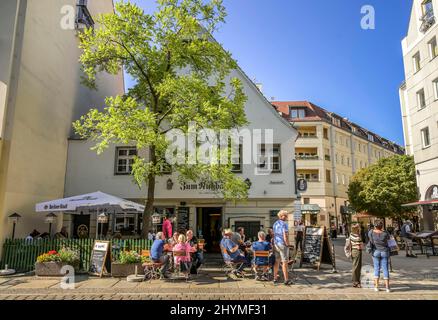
[209, 226]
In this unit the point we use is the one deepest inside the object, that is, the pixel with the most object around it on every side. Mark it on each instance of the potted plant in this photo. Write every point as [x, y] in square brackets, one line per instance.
[51, 263]
[126, 264]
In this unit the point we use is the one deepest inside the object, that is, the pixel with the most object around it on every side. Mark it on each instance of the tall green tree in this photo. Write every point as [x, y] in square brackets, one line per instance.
[181, 75]
[383, 187]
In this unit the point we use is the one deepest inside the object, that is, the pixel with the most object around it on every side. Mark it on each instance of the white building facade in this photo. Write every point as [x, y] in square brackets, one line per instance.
[195, 206]
[419, 102]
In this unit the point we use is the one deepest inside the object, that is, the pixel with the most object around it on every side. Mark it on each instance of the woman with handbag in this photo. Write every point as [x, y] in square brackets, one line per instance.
[356, 246]
[378, 245]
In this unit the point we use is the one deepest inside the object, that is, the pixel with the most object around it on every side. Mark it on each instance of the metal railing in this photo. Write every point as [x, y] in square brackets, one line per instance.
[427, 20]
[21, 254]
[307, 157]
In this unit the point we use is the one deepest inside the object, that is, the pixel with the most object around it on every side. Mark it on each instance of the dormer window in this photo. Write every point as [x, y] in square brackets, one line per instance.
[371, 137]
[336, 122]
[295, 112]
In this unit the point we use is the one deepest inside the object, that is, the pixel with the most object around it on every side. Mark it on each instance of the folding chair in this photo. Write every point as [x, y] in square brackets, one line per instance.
[151, 269]
[178, 270]
[231, 267]
[257, 268]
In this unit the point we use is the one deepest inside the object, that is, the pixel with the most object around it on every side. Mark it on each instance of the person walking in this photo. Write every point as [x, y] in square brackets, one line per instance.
[281, 246]
[356, 246]
[405, 234]
[380, 252]
[299, 237]
[167, 228]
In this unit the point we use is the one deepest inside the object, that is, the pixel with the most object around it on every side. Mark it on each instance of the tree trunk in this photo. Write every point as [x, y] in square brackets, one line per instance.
[149, 208]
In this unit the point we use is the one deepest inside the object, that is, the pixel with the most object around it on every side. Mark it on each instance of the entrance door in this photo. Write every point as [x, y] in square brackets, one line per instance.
[251, 229]
[209, 225]
[81, 226]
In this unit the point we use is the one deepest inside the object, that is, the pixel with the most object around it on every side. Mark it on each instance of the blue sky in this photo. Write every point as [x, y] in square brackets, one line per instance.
[317, 51]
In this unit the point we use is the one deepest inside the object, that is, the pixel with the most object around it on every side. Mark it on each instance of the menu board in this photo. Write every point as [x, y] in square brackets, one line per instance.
[183, 218]
[317, 248]
[312, 245]
[100, 258]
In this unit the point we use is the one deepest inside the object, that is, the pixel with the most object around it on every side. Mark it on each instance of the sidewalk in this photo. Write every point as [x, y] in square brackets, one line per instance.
[212, 284]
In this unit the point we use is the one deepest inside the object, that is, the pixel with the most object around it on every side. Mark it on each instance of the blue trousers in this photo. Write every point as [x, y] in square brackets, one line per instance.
[381, 260]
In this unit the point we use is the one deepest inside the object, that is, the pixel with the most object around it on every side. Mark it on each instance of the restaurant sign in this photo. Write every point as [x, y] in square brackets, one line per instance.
[211, 186]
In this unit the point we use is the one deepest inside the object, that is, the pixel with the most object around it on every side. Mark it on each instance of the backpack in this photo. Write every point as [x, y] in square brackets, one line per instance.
[347, 248]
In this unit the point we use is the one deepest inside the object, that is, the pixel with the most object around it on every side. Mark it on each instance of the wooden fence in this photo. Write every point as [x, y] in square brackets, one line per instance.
[21, 254]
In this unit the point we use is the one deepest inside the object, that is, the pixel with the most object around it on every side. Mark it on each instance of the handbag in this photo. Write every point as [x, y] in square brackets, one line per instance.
[393, 247]
[370, 248]
[347, 248]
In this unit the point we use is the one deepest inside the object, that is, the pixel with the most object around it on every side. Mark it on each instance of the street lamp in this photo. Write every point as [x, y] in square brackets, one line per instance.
[50, 218]
[102, 218]
[14, 218]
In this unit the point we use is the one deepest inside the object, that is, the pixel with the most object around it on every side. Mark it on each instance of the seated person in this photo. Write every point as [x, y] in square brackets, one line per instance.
[182, 261]
[231, 251]
[174, 240]
[261, 245]
[158, 255]
[198, 254]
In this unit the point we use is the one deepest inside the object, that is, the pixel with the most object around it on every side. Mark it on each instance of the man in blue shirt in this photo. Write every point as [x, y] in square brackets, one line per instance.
[158, 255]
[231, 252]
[261, 245]
[281, 246]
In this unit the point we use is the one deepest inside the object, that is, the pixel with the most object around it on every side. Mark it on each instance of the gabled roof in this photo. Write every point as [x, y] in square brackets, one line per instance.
[316, 113]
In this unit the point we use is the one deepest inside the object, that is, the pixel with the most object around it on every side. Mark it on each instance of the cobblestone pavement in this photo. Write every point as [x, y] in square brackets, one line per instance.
[412, 279]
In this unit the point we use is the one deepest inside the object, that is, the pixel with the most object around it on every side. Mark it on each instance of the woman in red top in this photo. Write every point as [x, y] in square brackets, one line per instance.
[167, 228]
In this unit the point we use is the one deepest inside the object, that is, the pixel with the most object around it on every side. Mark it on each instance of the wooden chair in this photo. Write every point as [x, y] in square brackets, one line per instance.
[178, 270]
[231, 267]
[151, 269]
[256, 268]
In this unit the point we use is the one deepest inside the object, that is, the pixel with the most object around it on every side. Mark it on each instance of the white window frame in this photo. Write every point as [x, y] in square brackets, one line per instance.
[423, 137]
[128, 157]
[435, 88]
[421, 104]
[433, 53]
[262, 158]
[416, 59]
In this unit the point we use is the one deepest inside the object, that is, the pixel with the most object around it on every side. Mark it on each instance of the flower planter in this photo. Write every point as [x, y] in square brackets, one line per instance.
[125, 269]
[49, 269]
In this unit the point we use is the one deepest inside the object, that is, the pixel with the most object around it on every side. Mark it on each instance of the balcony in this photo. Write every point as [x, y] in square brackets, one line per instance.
[427, 21]
[306, 157]
[327, 157]
[307, 135]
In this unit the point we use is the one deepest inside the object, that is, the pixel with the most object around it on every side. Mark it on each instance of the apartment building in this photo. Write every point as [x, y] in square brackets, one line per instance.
[40, 97]
[419, 104]
[329, 150]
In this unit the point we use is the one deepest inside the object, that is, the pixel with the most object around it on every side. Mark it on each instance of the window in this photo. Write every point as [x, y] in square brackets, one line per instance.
[435, 88]
[347, 143]
[125, 159]
[421, 100]
[328, 177]
[337, 160]
[337, 178]
[336, 122]
[343, 179]
[427, 6]
[433, 49]
[342, 159]
[416, 60]
[237, 167]
[299, 113]
[428, 18]
[327, 154]
[425, 138]
[125, 223]
[83, 16]
[370, 137]
[348, 161]
[274, 162]
[325, 132]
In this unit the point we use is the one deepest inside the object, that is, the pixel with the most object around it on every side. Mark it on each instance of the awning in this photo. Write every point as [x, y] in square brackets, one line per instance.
[364, 215]
[420, 203]
[310, 208]
[94, 200]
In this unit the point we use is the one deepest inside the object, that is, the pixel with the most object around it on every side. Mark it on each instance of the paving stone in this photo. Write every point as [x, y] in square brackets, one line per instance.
[36, 284]
[98, 283]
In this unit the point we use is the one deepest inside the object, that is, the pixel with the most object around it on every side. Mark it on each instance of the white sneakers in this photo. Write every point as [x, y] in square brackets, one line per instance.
[377, 290]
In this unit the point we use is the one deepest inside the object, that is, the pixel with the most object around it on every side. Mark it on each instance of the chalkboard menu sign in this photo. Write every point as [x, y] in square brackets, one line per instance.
[317, 248]
[183, 218]
[312, 245]
[100, 258]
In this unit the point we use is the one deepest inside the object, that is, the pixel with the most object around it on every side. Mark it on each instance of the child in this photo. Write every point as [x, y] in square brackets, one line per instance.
[184, 260]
